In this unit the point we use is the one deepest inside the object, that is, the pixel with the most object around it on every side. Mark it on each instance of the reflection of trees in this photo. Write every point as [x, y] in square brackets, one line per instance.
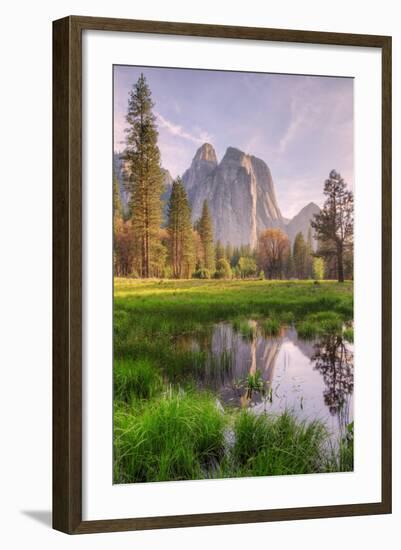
[335, 362]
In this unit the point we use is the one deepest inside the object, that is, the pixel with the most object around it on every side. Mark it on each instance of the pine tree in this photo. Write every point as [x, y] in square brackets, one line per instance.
[235, 256]
[309, 255]
[334, 225]
[179, 228]
[144, 179]
[289, 268]
[206, 235]
[117, 207]
[220, 251]
[228, 252]
[299, 255]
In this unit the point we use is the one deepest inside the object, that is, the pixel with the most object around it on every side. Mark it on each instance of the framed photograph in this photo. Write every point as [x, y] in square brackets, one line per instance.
[221, 274]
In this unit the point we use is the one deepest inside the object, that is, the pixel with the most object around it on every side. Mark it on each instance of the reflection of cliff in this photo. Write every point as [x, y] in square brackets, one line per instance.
[310, 374]
[335, 362]
[305, 347]
[270, 351]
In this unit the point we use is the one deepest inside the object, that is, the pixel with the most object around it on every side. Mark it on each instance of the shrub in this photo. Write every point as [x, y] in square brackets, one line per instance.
[201, 273]
[318, 268]
[246, 267]
[223, 269]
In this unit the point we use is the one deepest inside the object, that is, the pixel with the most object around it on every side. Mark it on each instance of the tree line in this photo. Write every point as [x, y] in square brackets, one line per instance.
[146, 246]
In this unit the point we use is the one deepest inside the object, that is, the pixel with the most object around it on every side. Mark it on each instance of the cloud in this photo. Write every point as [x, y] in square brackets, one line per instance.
[178, 131]
[304, 115]
[293, 130]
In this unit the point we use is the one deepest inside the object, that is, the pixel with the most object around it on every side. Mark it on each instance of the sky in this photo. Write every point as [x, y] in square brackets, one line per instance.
[301, 126]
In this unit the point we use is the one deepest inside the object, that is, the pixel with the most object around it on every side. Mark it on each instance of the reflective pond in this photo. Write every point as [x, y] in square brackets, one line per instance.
[248, 368]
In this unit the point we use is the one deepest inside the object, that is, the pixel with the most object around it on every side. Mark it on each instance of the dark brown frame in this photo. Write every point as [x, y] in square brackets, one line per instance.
[67, 275]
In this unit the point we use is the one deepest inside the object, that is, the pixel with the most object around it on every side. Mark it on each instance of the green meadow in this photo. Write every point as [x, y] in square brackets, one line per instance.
[166, 427]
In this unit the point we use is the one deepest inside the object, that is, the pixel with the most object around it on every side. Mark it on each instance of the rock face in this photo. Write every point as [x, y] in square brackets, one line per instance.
[240, 194]
[301, 222]
[118, 169]
[168, 185]
[203, 164]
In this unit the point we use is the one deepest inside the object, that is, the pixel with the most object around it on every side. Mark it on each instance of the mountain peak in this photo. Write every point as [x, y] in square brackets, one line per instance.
[232, 153]
[311, 206]
[206, 152]
[239, 191]
[300, 223]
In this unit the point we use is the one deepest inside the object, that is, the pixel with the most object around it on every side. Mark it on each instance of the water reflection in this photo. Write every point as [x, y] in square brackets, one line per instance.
[334, 360]
[314, 379]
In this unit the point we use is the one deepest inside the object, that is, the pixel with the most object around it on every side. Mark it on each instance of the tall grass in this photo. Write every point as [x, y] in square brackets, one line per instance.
[271, 327]
[177, 437]
[135, 379]
[342, 457]
[320, 324]
[265, 445]
[349, 335]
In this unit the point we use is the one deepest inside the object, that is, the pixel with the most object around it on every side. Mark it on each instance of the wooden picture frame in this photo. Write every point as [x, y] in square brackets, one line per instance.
[67, 274]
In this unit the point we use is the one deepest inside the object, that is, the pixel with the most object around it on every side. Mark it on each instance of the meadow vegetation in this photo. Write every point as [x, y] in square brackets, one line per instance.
[165, 428]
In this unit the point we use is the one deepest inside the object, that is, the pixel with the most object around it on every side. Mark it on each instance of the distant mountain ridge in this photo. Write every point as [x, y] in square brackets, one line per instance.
[240, 193]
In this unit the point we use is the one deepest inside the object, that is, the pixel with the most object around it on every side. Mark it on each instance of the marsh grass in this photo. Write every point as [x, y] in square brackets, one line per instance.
[164, 433]
[137, 379]
[270, 327]
[341, 459]
[349, 335]
[307, 330]
[247, 330]
[176, 437]
[254, 382]
[266, 445]
[320, 324]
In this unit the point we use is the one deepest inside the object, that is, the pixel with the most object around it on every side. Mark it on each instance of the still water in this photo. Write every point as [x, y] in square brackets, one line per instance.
[312, 378]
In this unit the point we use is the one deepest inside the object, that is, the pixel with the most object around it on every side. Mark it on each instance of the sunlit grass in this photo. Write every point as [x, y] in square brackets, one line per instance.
[178, 436]
[267, 445]
[168, 429]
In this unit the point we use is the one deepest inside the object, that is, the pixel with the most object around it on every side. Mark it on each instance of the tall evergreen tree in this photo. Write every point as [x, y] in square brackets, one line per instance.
[144, 179]
[309, 255]
[299, 255]
[228, 252]
[289, 267]
[206, 234]
[334, 225]
[117, 207]
[235, 256]
[179, 228]
[220, 251]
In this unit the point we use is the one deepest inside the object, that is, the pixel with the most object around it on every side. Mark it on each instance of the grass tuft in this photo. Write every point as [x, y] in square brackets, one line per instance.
[349, 335]
[174, 438]
[135, 379]
[265, 445]
[270, 327]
